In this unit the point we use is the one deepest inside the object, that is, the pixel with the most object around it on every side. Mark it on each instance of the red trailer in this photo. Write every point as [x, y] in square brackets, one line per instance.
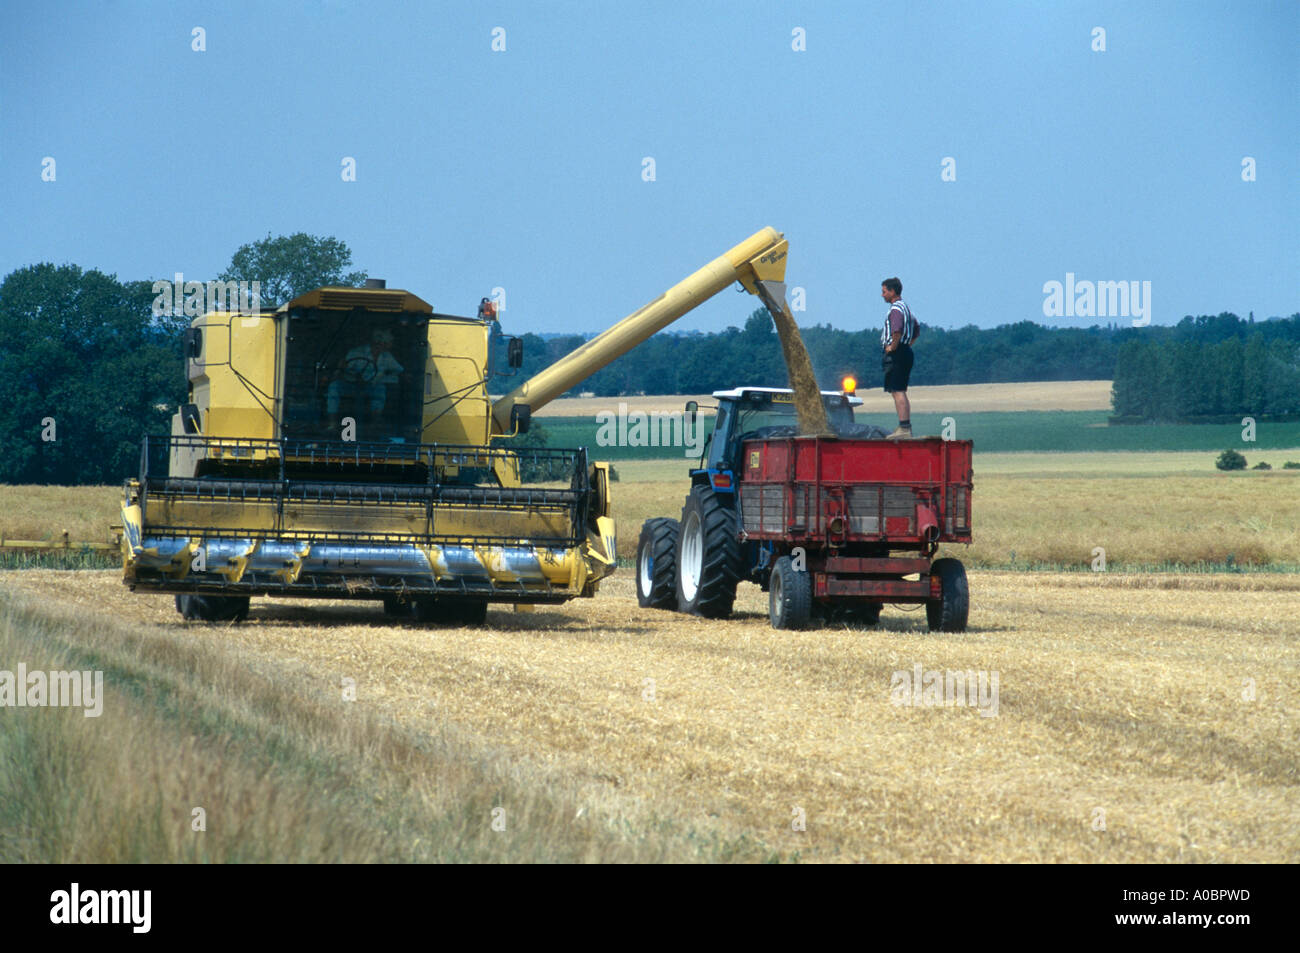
[828, 526]
[859, 516]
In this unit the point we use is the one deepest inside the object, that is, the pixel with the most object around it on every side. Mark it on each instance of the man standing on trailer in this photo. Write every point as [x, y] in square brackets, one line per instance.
[896, 342]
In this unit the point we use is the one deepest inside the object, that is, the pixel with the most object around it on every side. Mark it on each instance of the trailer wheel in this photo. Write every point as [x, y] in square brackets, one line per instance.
[656, 564]
[213, 608]
[708, 555]
[949, 612]
[870, 613]
[789, 598]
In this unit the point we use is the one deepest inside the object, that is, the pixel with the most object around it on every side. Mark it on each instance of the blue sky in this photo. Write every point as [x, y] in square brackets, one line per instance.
[523, 169]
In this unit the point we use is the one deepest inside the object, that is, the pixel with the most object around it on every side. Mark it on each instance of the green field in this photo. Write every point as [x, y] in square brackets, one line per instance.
[1003, 432]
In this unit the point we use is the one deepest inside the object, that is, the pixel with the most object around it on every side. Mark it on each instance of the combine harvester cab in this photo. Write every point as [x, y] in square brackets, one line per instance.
[345, 445]
[829, 525]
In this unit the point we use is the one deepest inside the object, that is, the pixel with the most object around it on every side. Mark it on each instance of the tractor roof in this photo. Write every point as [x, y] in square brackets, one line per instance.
[736, 393]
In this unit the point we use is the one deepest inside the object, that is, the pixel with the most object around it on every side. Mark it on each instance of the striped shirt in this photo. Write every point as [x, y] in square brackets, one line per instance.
[905, 324]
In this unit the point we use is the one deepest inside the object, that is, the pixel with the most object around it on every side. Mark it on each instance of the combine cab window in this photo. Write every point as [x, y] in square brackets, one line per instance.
[360, 364]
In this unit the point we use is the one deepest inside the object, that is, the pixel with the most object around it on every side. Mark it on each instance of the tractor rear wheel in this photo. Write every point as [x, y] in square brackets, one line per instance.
[213, 608]
[708, 555]
[656, 564]
[789, 596]
[949, 612]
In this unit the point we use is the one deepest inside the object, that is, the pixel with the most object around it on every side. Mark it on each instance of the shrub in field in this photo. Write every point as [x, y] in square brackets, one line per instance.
[1261, 466]
[1291, 465]
[1230, 460]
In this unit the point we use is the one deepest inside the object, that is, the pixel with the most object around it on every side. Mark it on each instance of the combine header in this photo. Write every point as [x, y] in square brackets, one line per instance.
[345, 446]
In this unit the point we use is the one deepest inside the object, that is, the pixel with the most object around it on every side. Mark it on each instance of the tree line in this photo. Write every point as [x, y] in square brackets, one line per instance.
[1254, 372]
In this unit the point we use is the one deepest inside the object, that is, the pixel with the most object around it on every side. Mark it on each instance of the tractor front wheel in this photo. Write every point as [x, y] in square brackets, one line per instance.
[708, 555]
[949, 612]
[789, 596]
[656, 564]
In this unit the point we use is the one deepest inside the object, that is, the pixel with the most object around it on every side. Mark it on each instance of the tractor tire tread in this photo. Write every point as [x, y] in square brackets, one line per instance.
[659, 535]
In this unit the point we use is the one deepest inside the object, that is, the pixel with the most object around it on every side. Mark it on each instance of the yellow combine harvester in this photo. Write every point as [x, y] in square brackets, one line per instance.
[345, 446]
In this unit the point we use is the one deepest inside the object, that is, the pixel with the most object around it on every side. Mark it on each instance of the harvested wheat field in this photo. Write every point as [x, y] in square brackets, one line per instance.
[1139, 718]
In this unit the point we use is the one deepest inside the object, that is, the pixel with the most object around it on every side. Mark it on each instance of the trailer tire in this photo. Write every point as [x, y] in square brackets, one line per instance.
[212, 608]
[708, 555]
[950, 611]
[656, 564]
[789, 597]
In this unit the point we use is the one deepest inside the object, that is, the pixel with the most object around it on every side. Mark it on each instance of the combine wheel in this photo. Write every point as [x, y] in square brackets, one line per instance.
[213, 608]
[393, 606]
[708, 555]
[470, 611]
[656, 564]
[949, 612]
[449, 611]
[789, 596]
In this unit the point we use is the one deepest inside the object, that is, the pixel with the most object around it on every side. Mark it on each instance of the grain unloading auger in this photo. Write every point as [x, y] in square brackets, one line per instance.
[345, 446]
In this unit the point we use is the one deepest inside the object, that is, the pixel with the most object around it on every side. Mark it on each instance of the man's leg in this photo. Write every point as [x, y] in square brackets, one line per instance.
[896, 381]
[904, 408]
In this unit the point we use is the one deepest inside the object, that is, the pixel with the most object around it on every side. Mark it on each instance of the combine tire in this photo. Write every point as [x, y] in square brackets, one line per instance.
[394, 606]
[449, 611]
[789, 596]
[656, 564]
[949, 612]
[213, 608]
[469, 611]
[708, 555]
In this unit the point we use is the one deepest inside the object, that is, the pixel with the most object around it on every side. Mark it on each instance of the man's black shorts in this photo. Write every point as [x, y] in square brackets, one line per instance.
[898, 368]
